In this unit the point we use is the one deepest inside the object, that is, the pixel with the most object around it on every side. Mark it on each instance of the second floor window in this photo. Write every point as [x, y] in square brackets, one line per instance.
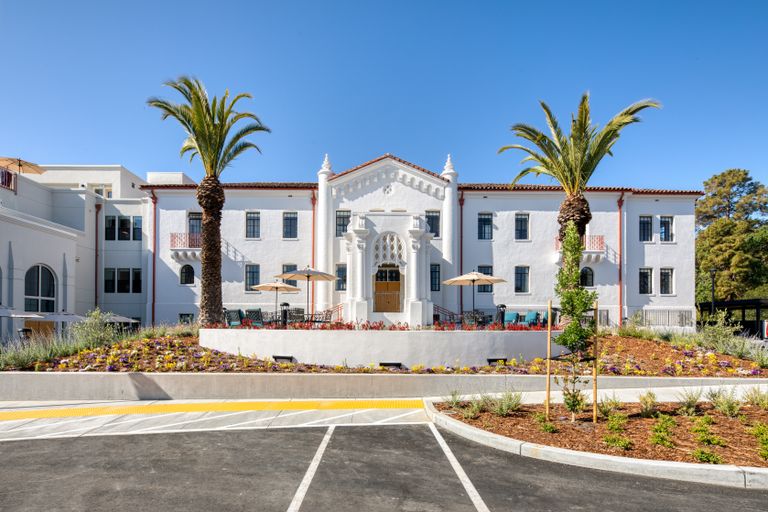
[123, 228]
[137, 228]
[487, 270]
[665, 229]
[289, 268]
[521, 279]
[587, 277]
[646, 228]
[187, 275]
[109, 280]
[290, 225]
[252, 273]
[521, 226]
[341, 277]
[123, 280]
[136, 280]
[485, 226]
[433, 223]
[434, 277]
[342, 221]
[252, 225]
[110, 227]
[646, 281]
[194, 222]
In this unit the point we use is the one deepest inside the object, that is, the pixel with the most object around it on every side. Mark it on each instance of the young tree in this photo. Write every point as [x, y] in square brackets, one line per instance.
[573, 159]
[208, 124]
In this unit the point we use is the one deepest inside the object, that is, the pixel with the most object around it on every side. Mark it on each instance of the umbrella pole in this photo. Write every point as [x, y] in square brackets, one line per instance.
[307, 310]
[275, 302]
[473, 296]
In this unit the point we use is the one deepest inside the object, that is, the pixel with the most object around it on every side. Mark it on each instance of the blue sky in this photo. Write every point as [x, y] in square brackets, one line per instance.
[419, 79]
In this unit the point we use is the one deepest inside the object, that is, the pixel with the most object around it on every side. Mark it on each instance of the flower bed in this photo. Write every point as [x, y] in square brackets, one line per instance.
[378, 326]
[621, 356]
[705, 435]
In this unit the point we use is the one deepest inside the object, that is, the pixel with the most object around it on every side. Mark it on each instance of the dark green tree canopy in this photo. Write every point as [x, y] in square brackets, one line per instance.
[732, 194]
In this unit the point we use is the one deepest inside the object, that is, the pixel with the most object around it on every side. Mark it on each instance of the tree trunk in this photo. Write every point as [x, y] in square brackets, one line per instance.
[574, 208]
[210, 197]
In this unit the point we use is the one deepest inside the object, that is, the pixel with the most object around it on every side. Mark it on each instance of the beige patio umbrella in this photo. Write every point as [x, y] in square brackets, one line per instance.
[277, 287]
[308, 274]
[472, 279]
[21, 166]
[6, 312]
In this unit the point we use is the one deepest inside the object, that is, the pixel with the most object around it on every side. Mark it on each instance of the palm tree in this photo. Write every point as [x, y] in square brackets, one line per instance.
[572, 159]
[208, 124]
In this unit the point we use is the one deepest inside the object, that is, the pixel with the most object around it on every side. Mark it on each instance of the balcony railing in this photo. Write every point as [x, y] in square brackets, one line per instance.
[7, 179]
[592, 243]
[186, 241]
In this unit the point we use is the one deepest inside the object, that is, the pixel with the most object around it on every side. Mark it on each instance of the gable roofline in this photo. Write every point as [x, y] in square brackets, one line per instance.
[389, 156]
[256, 185]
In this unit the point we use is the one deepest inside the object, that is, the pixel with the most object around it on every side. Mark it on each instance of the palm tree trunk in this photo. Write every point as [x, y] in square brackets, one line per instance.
[210, 197]
[574, 208]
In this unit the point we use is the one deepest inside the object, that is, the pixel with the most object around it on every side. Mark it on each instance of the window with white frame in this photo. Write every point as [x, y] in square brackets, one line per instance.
[289, 267]
[487, 270]
[342, 221]
[433, 222]
[434, 277]
[666, 281]
[521, 226]
[646, 281]
[666, 229]
[290, 225]
[252, 276]
[646, 228]
[39, 290]
[485, 226]
[341, 277]
[587, 277]
[187, 275]
[522, 279]
[252, 225]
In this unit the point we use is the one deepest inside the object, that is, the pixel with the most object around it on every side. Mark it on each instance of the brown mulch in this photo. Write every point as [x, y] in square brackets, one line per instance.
[583, 435]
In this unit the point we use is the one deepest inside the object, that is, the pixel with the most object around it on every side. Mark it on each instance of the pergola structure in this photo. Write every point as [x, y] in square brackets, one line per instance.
[746, 312]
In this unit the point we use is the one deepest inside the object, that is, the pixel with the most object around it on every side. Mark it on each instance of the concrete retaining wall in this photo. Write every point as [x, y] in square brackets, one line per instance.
[362, 348]
[234, 386]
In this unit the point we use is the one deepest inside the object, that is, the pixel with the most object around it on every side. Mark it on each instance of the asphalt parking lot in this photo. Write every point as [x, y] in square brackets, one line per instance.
[338, 467]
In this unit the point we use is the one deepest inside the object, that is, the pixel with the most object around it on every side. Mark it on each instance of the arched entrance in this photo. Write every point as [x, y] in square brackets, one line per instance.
[387, 296]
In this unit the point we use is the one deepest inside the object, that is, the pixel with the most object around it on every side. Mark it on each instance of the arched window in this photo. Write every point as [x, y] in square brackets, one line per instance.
[187, 275]
[39, 290]
[587, 277]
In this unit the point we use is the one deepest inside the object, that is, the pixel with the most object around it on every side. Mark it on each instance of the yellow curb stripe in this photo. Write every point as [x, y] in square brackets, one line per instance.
[296, 405]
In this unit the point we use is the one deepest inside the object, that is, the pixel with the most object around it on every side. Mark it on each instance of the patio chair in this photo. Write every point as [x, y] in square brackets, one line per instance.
[544, 318]
[511, 317]
[530, 318]
[255, 316]
[233, 317]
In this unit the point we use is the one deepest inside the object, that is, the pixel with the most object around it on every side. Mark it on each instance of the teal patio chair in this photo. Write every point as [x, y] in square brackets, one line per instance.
[233, 317]
[255, 316]
[511, 317]
[530, 318]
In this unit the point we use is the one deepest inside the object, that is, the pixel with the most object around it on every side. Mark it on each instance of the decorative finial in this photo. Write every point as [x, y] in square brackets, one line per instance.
[448, 164]
[326, 163]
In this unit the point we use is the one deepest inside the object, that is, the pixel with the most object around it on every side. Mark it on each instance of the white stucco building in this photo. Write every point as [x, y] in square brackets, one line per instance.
[390, 230]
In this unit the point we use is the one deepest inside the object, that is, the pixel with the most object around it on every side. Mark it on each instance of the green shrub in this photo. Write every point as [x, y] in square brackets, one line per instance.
[706, 456]
[756, 397]
[719, 334]
[616, 422]
[688, 399]
[728, 403]
[545, 426]
[453, 400]
[760, 431]
[713, 395]
[507, 403]
[661, 432]
[703, 433]
[618, 441]
[648, 404]
[608, 406]
[473, 410]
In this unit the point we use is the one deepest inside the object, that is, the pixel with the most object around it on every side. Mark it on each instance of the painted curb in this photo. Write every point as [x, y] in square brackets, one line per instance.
[722, 475]
[21, 386]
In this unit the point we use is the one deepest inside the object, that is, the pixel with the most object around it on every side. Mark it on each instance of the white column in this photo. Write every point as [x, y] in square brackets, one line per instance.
[413, 274]
[324, 240]
[450, 230]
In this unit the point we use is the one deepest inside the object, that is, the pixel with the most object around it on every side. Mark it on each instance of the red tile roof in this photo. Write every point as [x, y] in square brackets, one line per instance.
[391, 157]
[256, 185]
[506, 187]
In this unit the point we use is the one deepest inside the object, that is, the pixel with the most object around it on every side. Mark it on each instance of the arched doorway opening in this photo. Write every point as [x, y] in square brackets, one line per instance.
[39, 296]
[387, 288]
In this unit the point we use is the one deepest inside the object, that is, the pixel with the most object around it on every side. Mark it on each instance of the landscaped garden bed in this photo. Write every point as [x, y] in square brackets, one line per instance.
[619, 356]
[725, 431]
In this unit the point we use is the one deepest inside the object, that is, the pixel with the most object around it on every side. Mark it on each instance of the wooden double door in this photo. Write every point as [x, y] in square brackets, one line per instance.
[387, 289]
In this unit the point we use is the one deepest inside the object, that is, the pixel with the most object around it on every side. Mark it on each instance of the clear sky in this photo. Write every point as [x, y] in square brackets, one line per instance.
[419, 79]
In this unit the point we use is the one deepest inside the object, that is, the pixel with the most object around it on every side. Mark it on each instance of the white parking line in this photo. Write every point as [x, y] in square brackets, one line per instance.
[321, 420]
[301, 492]
[465, 481]
[268, 418]
[386, 420]
[166, 425]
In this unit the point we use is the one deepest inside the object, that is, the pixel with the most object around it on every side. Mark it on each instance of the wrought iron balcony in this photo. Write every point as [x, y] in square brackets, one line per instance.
[186, 246]
[594, 248]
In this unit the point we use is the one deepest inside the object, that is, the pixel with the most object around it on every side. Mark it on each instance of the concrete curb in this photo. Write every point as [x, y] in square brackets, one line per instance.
[723, 475]
[19, 386]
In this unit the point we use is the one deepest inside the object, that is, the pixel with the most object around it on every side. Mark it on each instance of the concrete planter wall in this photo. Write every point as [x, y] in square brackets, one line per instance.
[362, 348]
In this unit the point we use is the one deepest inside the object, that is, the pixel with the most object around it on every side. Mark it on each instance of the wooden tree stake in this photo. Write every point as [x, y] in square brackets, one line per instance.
[549, 356]
[594, 370]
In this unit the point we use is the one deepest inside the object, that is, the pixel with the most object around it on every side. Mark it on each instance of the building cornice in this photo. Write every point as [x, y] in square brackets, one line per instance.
[30, 221]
